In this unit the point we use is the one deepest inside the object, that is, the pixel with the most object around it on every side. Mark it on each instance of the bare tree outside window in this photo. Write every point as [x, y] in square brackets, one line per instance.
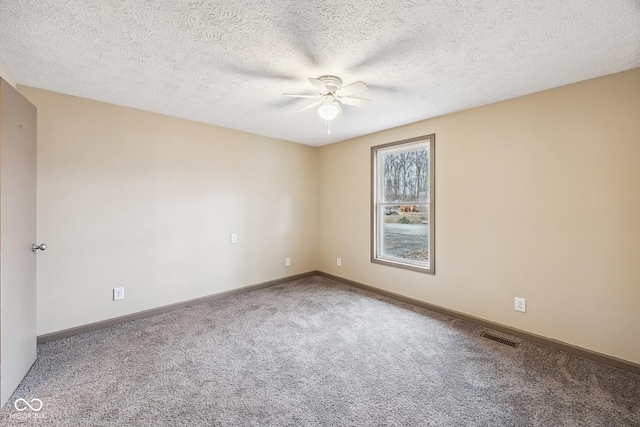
[403, 204]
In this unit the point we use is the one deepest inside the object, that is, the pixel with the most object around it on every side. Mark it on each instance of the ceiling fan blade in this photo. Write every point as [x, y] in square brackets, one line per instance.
[350, 100]
[296, 95]
[315, 104]
[318, 84]
[354, 88]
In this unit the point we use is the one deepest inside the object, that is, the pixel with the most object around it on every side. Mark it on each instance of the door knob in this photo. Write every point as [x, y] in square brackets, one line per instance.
[42, 247]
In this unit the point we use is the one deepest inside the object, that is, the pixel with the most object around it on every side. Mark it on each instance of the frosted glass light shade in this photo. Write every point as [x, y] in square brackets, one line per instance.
[328, 111]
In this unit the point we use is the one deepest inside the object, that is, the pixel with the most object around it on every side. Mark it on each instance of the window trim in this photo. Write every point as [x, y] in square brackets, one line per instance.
[431, 269]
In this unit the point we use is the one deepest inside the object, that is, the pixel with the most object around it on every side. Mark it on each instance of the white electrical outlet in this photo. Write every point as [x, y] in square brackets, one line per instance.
[287, 262]
[234, 238]
[521, 304]
[118, 293]
[339, 262]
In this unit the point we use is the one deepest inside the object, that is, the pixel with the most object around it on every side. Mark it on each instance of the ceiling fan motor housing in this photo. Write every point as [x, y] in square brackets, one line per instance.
[332, 83]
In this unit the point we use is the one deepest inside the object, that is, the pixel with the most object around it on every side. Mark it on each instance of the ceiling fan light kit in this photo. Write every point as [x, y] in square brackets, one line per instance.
[329, 110]
[331, 94]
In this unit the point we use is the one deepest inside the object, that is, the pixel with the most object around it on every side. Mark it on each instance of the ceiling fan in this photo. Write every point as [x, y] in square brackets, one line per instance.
[330, 94]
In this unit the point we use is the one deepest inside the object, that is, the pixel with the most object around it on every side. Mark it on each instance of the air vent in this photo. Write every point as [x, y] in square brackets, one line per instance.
[500, 340]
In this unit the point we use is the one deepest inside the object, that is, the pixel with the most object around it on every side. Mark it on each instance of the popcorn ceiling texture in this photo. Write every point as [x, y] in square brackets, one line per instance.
[227, 62]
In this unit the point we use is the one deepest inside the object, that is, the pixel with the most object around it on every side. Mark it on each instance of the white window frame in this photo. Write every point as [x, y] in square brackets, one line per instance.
[378, 203]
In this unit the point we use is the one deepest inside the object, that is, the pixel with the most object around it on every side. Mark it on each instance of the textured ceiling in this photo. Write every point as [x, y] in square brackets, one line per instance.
[227, 62]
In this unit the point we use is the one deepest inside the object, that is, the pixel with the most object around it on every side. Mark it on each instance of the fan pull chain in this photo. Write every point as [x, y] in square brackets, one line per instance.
[328, 127]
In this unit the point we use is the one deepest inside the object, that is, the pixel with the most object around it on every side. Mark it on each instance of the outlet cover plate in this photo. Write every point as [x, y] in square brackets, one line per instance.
[118, 294]
[521, 305]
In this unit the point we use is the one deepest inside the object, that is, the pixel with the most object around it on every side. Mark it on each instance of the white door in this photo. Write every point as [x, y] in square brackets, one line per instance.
[17, 234]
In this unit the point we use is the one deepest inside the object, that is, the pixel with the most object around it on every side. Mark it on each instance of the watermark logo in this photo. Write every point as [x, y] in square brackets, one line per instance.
[22, 405]
[28, 409]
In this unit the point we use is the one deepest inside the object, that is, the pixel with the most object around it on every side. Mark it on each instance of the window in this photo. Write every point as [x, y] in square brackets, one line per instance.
[402, 181]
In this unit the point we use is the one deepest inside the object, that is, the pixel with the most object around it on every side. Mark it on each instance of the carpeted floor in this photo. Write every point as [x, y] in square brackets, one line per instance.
[315, 352]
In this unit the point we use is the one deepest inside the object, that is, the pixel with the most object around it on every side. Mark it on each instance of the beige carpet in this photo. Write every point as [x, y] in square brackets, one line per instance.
[314, 352]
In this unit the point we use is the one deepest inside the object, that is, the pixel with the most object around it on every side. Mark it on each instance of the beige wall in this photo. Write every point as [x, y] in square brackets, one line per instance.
[140, 200]
[537, 197]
